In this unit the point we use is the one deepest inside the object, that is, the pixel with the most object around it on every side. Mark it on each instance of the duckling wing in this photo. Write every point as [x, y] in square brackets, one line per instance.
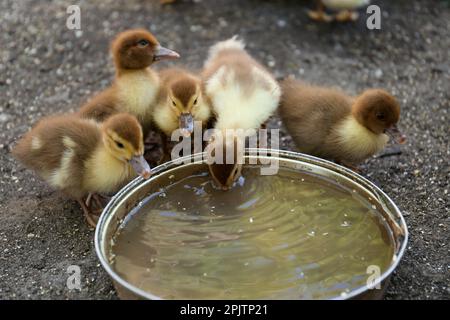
[310, 113]
[101, 106]
[56, 149]
[243, 94]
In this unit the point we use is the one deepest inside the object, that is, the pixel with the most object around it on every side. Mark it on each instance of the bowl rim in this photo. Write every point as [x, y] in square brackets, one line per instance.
[281, 154]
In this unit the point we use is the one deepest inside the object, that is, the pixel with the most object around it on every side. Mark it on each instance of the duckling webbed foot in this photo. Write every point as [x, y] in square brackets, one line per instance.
[100, 202]
[90, 217]
[319, 14]
[346, 16]
[350, 166]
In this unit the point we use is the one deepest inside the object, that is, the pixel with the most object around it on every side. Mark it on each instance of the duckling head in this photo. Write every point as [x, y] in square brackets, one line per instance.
[186, 102]
[379, 112]
[123, 138]
[225, 172]
[138, 49]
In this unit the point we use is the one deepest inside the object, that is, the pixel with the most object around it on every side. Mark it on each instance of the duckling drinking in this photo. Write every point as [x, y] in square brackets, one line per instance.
[180, 103]
[80, 157]
[135, 86]
[243, 95]
[330, 124]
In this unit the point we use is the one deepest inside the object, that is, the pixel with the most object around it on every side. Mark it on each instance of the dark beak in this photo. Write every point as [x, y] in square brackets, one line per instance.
[141, 166]
[395, 134]
[186, 123]
[224, 175]
[161, 53]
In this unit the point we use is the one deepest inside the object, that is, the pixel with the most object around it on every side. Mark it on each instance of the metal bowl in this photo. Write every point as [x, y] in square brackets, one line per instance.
[130, 196]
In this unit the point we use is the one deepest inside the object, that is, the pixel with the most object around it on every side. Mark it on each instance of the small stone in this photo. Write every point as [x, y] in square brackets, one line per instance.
[223, 23]
[281, 23]
[378, 73]
[195, 28]
[4, 117]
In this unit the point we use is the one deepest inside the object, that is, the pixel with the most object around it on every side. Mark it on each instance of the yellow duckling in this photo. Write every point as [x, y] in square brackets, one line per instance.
[81, 157]
[243, 95]
[135, 86]
[344, 7]
[180, 103]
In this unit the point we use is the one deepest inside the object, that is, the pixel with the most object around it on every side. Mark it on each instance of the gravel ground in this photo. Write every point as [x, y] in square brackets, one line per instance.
[45, 68]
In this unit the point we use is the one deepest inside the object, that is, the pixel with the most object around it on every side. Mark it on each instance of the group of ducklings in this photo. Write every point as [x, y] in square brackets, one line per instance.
[98, 149]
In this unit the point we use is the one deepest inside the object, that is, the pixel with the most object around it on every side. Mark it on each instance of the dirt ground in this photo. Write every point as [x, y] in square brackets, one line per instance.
[46, 68]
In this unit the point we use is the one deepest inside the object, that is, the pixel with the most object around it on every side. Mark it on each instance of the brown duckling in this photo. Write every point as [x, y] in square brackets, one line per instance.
[81, 157]
[243, 95]
[180, 103]
[330, 124]
[135, 86]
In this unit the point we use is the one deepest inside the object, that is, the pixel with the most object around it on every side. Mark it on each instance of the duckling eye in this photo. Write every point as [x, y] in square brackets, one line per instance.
[381, 116]
[173, 103]
[143, 43]
[120, 145]
[195, 101]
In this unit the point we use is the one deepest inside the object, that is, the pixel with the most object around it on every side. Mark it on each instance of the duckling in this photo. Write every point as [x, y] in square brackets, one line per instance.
[180, 103]
[81, 157]
[330, 124]
[243, 95]
[135, 87]
[344, 7]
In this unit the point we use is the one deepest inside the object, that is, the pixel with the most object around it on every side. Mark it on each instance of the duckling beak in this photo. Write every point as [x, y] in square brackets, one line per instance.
[224, 175]
[141, 166]
[161, 53]
[396, 134]
[186, 123]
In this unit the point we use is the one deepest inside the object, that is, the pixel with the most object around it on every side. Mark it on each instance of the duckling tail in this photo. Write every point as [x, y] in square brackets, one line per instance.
[232, 43]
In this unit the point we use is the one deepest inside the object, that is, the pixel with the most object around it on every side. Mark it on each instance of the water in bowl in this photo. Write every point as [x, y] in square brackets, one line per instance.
[289, 236]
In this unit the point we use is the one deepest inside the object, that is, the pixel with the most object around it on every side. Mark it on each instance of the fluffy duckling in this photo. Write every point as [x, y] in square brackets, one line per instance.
[344, 7]
[329, 124]
[180, 102]
[136, 86]
[81, 157]
[243, 95]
